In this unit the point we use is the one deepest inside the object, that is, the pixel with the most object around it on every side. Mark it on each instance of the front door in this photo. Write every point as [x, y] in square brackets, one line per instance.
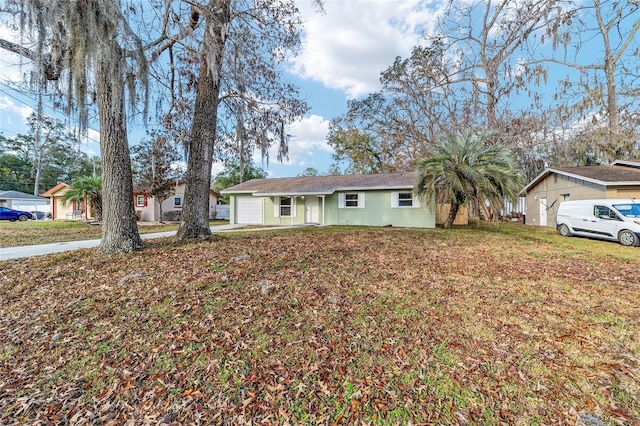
[310, 209]
[543, 211]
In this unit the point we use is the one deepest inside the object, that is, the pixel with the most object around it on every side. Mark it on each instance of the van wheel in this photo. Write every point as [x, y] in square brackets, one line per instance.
[628, 238]
[564, 230]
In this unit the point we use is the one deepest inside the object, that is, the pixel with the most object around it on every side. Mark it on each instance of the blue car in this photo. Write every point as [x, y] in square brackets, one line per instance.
[10, 214]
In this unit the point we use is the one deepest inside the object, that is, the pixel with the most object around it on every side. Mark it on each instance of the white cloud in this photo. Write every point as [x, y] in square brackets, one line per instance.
[308, 137]
[7, 105]
[216, 168]
[309, 134]
[91, 143]
[347, 47]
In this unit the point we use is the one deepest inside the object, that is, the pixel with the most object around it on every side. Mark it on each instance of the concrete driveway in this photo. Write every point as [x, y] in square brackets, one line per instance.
[42, 249]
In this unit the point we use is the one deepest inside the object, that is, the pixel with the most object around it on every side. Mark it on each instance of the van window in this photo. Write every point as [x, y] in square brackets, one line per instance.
[604, 212]
[628, 210]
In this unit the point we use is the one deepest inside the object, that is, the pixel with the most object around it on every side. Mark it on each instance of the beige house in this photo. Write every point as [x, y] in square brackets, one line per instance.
[143, 203]
[71, 211]
[149, 209]
[555, 185]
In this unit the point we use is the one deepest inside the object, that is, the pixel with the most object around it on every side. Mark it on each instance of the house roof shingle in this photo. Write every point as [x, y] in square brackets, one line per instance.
[618, 174]
[17, 195]
[323, 184]
[606, 174]
[627, 163]
[137, 190]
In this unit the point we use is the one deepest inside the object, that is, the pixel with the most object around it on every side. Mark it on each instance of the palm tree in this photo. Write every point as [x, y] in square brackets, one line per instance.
[463, 169]
[89, 188]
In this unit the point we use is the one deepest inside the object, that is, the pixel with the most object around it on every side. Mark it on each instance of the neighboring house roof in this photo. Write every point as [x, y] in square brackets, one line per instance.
[323, 185]
[138, 191]
[17, 195]
[52, 191]
[620, 173]
[628, 163]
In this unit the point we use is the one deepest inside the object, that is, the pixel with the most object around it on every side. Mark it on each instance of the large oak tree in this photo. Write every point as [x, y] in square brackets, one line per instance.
[236, 47]
[599, 97]
[232, 63]
[468, 74]
[90, 46]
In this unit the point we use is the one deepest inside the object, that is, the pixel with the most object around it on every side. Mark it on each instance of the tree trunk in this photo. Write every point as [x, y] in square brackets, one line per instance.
[36, 185]
[119, 228]
[453, 212]
[487, 211]
[609, 68]
[194, 221]
[97, 206]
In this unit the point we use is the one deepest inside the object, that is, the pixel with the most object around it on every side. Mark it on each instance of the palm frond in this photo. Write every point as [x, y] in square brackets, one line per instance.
[465, 168]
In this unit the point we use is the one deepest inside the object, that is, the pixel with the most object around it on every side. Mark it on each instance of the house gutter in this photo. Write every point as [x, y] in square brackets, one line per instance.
[373, 188]
[290, 194]
[224, 191]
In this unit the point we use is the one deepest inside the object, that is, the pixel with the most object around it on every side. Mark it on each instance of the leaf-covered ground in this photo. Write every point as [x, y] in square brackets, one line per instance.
[14, 234]
[326, 326]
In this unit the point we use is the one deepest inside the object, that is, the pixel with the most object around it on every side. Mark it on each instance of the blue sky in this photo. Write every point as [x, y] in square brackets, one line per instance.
[344, 51]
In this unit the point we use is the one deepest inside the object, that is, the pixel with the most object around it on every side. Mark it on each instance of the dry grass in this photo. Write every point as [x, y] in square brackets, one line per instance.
[14, 234]
[506, 325]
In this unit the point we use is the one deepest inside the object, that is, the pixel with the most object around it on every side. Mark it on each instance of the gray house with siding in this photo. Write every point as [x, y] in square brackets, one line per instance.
[544, 194]
[20, 200]
[373, 200]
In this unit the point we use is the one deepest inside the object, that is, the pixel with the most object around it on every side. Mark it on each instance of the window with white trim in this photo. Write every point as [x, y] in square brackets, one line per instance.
[404, 200]
[177, 201]
[140, 200]
[285, 206]
[351, 200]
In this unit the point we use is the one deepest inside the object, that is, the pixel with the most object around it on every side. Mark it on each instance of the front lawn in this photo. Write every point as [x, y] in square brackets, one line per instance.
[14, 234]
[497, 325]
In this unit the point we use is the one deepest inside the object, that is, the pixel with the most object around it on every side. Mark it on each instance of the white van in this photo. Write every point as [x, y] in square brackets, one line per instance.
[616, 220]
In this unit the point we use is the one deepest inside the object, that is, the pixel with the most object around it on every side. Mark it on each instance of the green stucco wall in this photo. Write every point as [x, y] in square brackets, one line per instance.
[378, 212]
[270, 219]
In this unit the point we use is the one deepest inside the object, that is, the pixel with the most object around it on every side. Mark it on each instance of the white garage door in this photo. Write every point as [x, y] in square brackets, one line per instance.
[249, 210]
